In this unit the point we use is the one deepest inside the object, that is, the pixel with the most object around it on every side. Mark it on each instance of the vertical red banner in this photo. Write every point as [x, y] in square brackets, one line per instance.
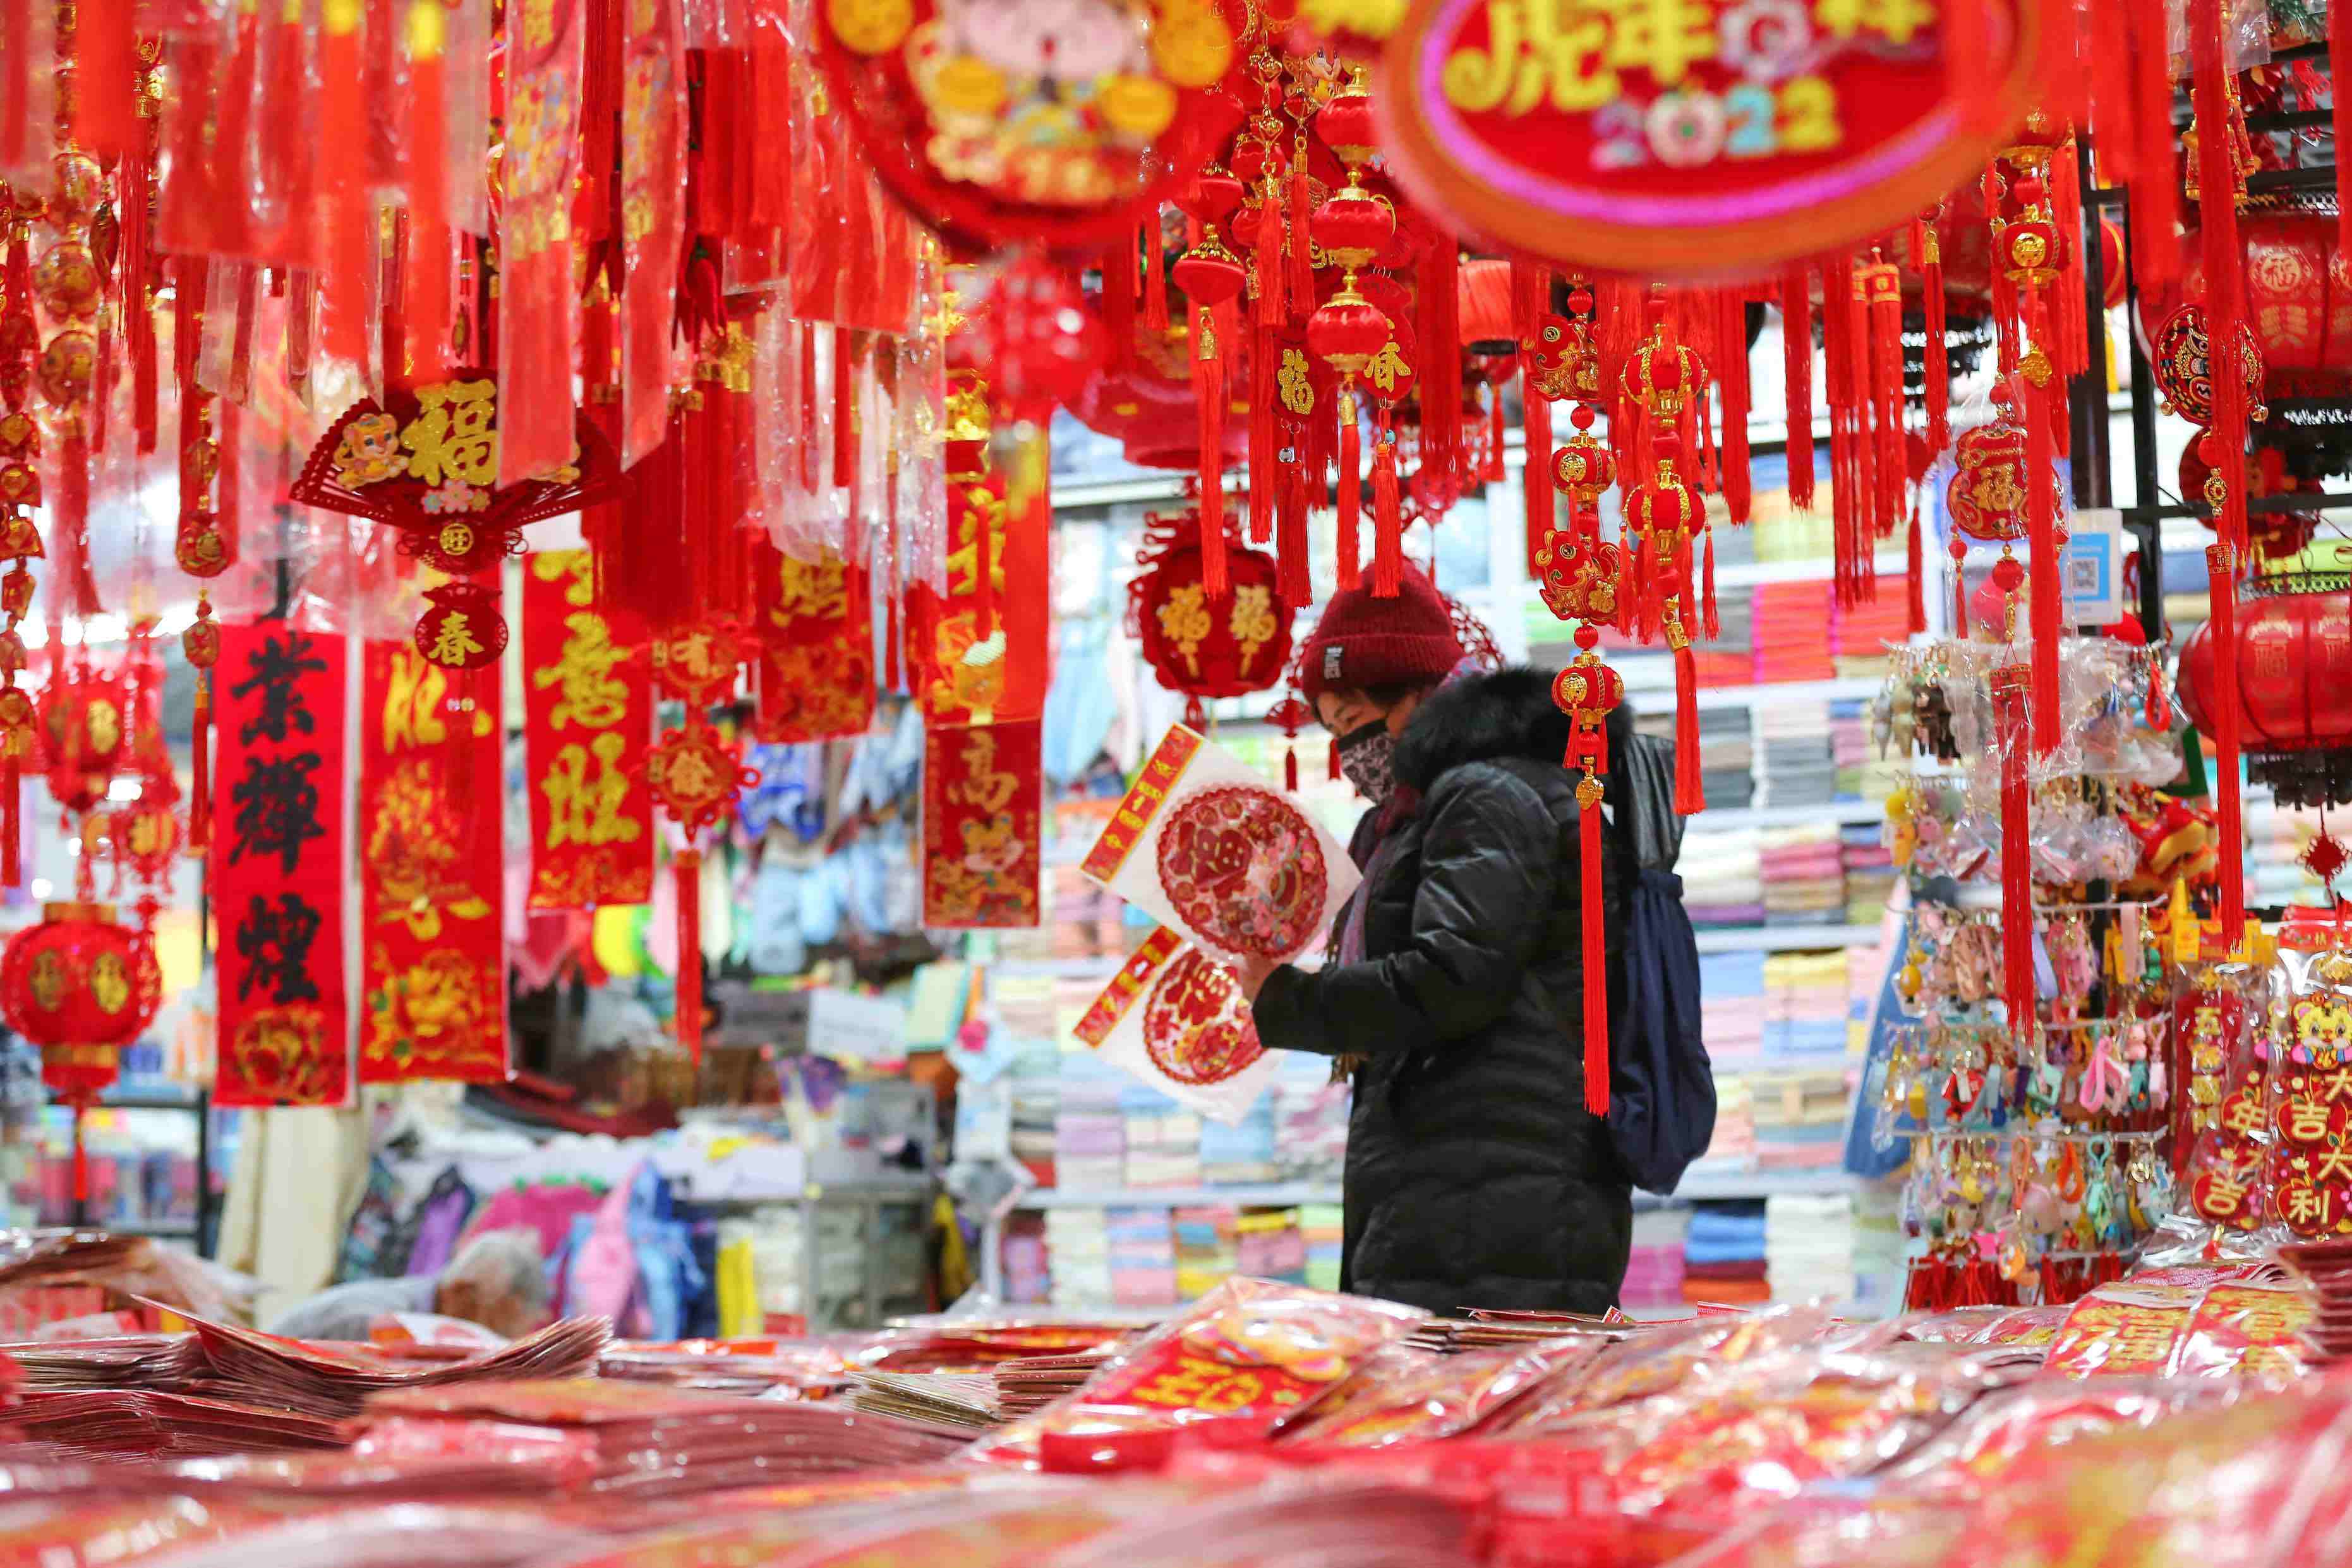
[982, 841]
[955, 675]
[652, 217]
[539, 303]
[588, 713]
[817, 646]
[431, 838]
[279, 708]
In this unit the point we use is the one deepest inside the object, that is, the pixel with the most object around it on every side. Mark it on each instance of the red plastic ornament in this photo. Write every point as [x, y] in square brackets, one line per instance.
[80, 987]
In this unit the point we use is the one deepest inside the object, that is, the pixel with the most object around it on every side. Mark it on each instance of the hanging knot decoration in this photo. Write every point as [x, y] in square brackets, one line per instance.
[1201, 644]
[200, 644]
[1348, 333]
[425, 461]
[1212, 277]
[1586, 691]
[1663, 517]
[695, 774]
[1290, 715]
[2011, 684]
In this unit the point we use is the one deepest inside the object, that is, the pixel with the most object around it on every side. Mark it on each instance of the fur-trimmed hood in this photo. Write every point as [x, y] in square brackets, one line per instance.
[1482, 718]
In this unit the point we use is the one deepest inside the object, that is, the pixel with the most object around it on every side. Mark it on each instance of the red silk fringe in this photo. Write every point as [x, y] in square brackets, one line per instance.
[1440, 389]
[1851, 538]
[1494, 471]
[1264, 392]
[2043, 567]
[1536, 485]
[1797, 365]
[1690, 786]
[1118, 297]
[2340, 55]
[12, 826]
[1265, 247]
[1893, 457]
[2016, 850]
[1916, 572]
[2154, 201]
[1155, 274]
[1731, 375]
[200, 768]
[1935, 309]
[844, 406]
[1596, 963]
[1209, 404]
[686, 867]
[1301, 284]
[1351, 497]
[1388, 522]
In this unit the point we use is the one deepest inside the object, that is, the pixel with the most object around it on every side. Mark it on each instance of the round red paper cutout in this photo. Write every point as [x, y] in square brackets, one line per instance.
[1196, 1027]
[1244, 871]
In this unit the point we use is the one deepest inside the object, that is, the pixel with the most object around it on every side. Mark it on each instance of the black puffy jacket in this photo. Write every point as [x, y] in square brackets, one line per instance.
[1476, 1177]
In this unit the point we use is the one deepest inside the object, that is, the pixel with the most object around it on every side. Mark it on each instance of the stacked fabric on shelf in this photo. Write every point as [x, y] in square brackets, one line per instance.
[1731, 1015]
[1803, 874]
[1733, 1148]
[1808, 1245]
[1880, 1251]
[1722, 877]
[1077, 1240]
[1806, 997]
[1653, 1275]
[1028, 1264]
[1163, 1140]
[1310, 1118]
[1869, 868]
[1089, 1123]
[1727, 756]
[1243, 1153]
[1206, 1252]
[1142, 1256]
[1723, 1253]
[1862, 634]
[1729, 658]
[1799, 769]
[1268, 1244]
[1321, 1226]
[1791, 631]
[1801, 1120]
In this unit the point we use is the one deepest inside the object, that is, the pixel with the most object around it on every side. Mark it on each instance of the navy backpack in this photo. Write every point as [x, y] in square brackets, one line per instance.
[1660, 1086]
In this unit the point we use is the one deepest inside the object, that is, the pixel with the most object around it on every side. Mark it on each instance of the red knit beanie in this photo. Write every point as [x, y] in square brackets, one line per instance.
[1361, 641]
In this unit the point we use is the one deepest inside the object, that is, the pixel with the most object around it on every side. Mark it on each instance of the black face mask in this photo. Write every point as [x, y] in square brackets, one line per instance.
[1366, 755]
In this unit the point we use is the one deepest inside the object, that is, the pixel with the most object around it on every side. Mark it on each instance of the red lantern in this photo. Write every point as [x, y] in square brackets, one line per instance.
[2294, 691]
[2298, 299]
[80, 987]
[1203, 645]
[85, 725]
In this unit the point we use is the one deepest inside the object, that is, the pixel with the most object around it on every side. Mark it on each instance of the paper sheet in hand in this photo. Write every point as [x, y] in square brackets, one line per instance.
[1213, 850]
[1174, 1018]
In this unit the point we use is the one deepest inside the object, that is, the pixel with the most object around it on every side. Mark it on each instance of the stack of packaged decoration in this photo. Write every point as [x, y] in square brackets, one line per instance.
[2034, 1075]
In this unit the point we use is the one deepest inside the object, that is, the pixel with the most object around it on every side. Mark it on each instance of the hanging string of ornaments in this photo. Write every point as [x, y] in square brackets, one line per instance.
[782, 303]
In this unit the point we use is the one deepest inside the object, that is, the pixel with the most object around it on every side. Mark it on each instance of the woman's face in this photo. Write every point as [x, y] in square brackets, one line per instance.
[1345, 711]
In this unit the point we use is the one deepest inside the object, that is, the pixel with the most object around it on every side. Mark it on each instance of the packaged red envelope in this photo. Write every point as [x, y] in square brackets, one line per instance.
[1402, 1394]
[1210, 847]
[1247, 1354]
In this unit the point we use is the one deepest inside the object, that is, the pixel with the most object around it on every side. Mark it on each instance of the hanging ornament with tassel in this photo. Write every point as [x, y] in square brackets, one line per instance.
[1348, 333]
[1212, 277]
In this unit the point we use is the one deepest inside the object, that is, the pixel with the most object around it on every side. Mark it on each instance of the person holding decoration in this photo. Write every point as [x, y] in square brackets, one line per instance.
[1475, 1176]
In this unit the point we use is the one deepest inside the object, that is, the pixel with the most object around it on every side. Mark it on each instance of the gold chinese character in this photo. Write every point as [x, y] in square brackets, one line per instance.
[412, 699]
[590, 696]
[585, 790]
[1898, 21]
[818, 591]
[455, 436]
[454, 642]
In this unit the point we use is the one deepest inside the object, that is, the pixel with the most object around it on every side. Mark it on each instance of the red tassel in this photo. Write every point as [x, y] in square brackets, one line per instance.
[1732, 376]
[2008, 695]
[1916, 573]
[1302, 269]
[2072, 351]
[107, 63]
[1265, 354]
[12, 827]
[1118, 297]
[2042, 565]
[1290, 764]
[1388, 523]
[1535, 479]
[1352, 486]
[1927, 252]
[1290, 523]
[845, 408]
[1849, 526]
[1209, 404]
[1797, 365]
[1440, 360]
[1266, 254]
[1709, 622]
[2154, 208]
[1690, 786]
[1334, 773]
[1893, 458]
[2221, 591]
[1155, 274]
[200, 767]
[429, 256]
[686, 868]
[1595, 923]
[1494, 471]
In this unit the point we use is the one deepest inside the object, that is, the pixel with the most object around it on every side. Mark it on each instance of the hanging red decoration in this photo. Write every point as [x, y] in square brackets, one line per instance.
[1730, 136]
[997, 129]
[2294, 669]
[426, 461]
[80, 987]
[1196, 643]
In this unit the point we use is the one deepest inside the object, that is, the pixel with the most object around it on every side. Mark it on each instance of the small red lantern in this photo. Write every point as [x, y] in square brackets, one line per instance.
[79, 986]
[1199, 645]
[84, 729]
[2295, 689]
[1987, 493]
